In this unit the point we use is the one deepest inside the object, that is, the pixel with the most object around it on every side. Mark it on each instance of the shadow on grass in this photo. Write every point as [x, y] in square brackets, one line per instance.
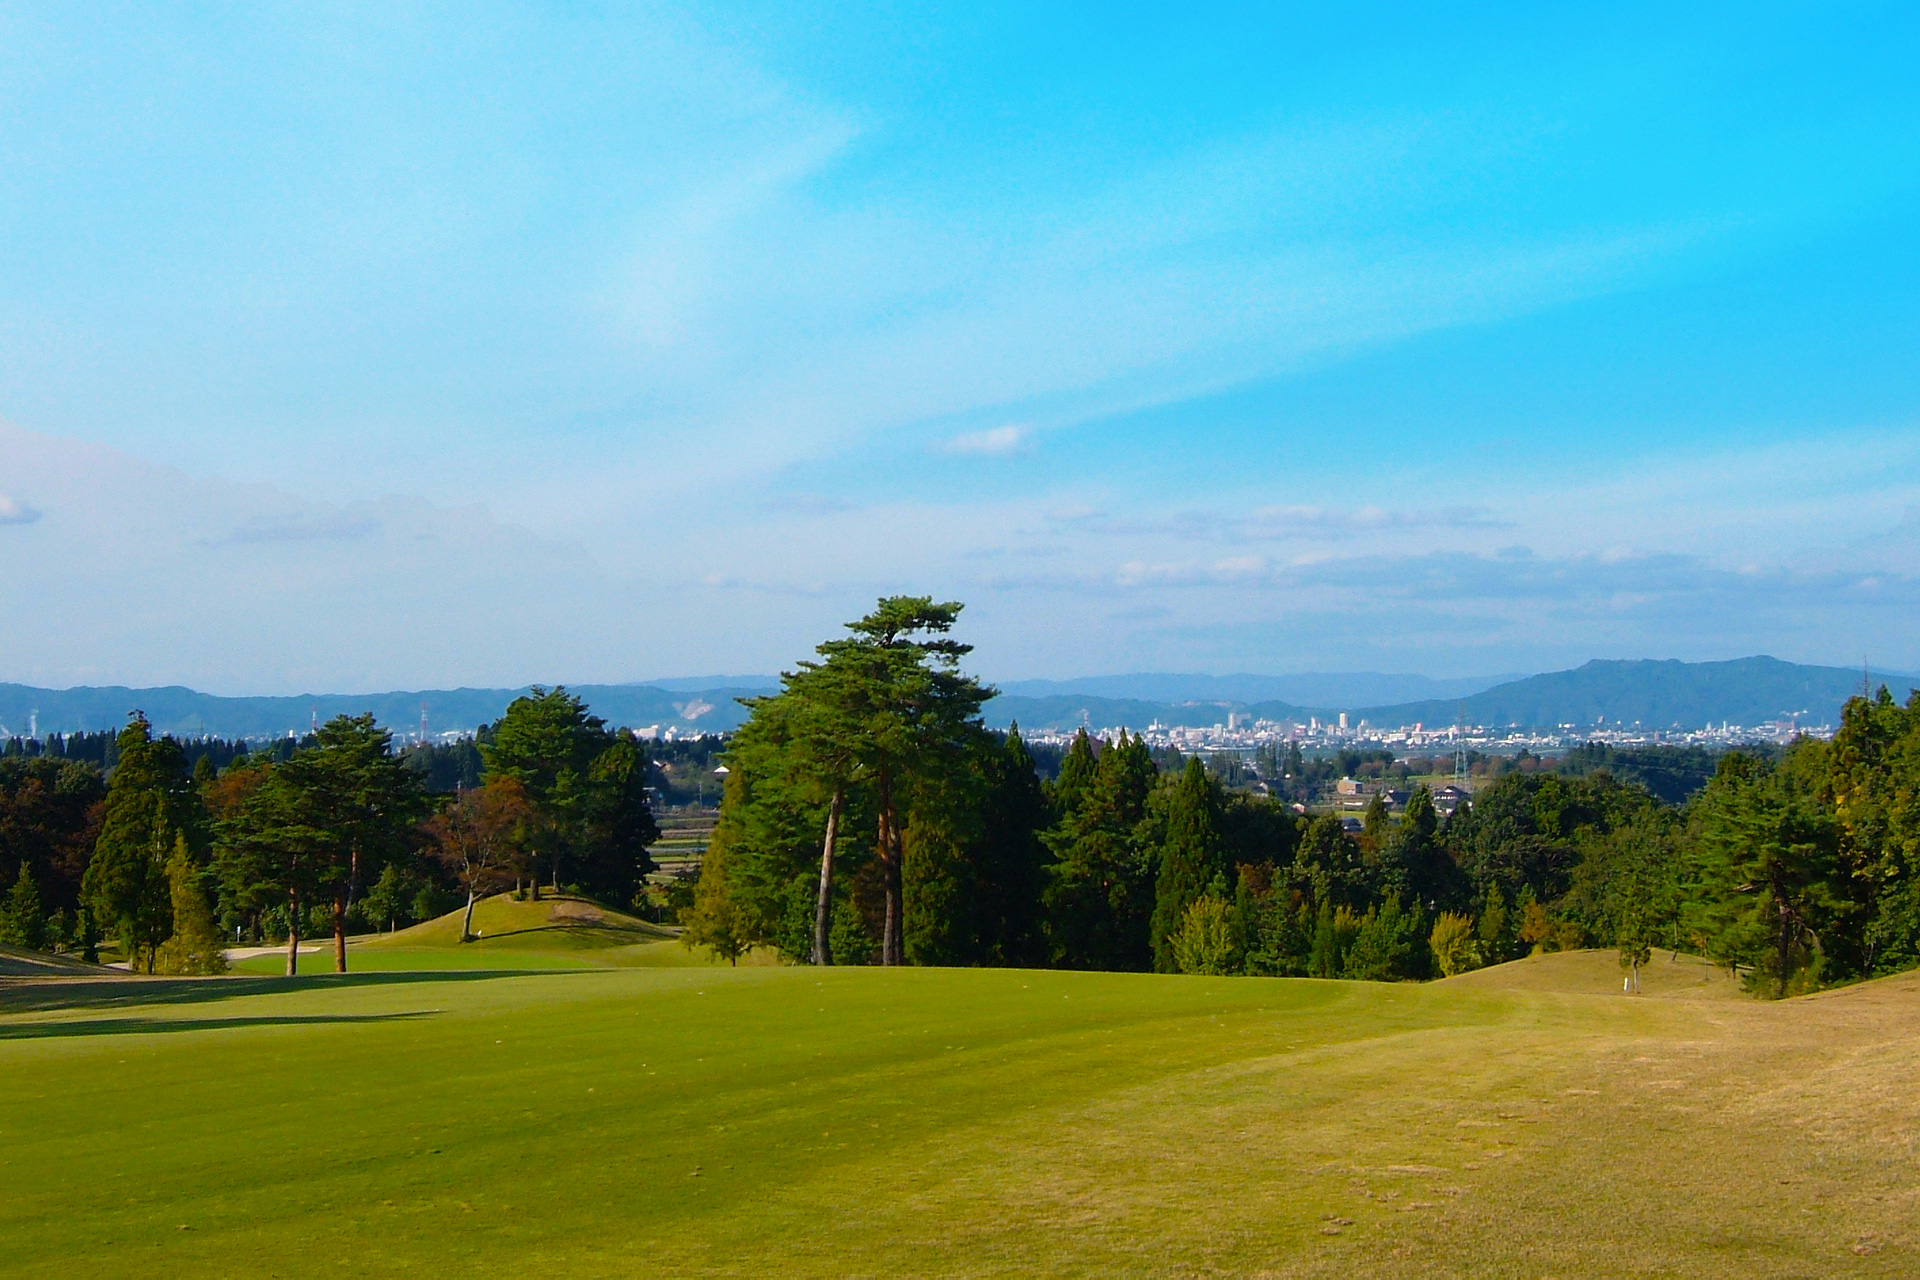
[618, 931]
[30, 995]
[146, 1026]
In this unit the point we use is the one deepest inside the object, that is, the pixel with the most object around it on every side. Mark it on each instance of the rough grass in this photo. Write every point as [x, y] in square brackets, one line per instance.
[760, 1121]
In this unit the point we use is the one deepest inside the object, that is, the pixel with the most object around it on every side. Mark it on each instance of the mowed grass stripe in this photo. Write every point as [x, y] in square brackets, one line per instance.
[963, 1122]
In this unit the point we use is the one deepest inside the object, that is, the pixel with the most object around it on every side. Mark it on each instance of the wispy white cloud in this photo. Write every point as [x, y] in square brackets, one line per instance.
[993, 442]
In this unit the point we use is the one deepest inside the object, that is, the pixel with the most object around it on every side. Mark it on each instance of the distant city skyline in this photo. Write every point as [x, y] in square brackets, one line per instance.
[408, 347]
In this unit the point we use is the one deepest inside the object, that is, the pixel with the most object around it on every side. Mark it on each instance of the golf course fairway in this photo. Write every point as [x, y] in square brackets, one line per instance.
[1528, 1120]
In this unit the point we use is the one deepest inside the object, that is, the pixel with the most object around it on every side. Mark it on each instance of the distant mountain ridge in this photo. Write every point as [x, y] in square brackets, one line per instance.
[1651, 693]
[1657, 694]
[184, 712]
[1303, 689]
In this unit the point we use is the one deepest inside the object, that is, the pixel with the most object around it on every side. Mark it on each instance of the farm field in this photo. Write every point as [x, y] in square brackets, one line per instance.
[1526, 1120]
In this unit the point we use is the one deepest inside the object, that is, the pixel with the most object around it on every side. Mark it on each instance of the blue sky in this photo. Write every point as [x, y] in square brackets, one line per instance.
[348, 347]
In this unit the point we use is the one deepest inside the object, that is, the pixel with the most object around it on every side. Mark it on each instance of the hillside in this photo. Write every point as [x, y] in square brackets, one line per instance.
[1657, 695]
[557, 932]
[805, 1122]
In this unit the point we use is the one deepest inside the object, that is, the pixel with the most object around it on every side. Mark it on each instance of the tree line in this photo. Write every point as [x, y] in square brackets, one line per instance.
[869, 816]
[172, 857]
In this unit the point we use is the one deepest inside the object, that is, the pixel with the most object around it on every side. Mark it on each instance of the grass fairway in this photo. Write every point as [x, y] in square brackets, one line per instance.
[1522, 1121]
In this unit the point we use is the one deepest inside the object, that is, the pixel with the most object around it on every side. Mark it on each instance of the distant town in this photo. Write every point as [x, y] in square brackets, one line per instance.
[1233, 734]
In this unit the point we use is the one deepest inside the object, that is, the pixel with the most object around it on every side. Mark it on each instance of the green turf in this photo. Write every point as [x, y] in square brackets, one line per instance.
[556, 932]
[782, 1121]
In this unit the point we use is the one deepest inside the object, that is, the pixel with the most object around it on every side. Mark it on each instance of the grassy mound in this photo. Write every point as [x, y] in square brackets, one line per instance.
[960, 1122]
[558, 932]
[558, 922]
[17, 962]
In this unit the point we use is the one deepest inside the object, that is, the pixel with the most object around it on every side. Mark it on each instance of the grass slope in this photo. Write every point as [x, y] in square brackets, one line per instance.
[760, 1121]
[18, 962]
[557, 932]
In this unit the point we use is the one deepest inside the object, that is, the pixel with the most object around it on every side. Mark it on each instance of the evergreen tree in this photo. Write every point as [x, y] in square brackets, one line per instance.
[1334, 931]
[1494, 931]
[586, 785]
[1098, 898]
[195, 945]
[1414, 862]
[1771, 879]
[150, 798]
[1873, 786]
[1011, 860]
[1077, 767]
[719, 920]
[1276, 934]
[938, 883]
[914, 715]
[1190, 857]
[1389, 945]
[1328, 866]
[22, 919]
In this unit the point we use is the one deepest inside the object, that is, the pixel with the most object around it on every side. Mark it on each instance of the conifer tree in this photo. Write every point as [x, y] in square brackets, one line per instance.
[1190, 858]
[150, 799]
[1770, 872]
[1010, 862]
[1389, 945]
[913, 714]
[1323, 957]
[718, 921]
[1494, 931]
[196, 944]
[1415, 863]
[22, 919]
[1099, 887]
[1068, 789]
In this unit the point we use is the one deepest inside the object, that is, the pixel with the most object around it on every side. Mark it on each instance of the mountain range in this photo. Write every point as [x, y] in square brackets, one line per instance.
[1654, 694]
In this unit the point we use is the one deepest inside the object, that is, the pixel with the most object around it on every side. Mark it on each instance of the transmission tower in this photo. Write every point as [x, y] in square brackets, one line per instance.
[1460, 748]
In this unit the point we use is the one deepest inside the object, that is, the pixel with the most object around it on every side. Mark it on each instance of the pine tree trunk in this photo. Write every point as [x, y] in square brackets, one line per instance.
[823, 909]
[889, 877]
[1784, 946]
[340, 931]
[896, 893]
[293, 935]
